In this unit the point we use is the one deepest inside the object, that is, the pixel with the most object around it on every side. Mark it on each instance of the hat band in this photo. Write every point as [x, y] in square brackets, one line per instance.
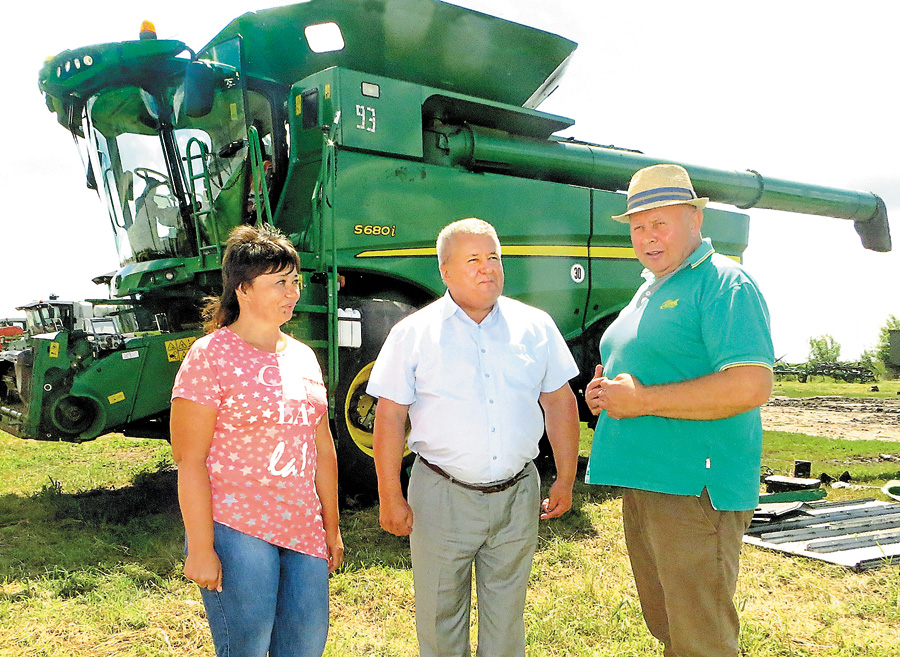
[660, 194]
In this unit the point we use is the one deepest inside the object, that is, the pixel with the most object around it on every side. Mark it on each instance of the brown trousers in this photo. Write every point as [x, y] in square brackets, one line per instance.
[685, 558]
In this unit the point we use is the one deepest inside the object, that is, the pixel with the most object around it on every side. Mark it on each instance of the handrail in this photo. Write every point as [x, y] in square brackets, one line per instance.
[197, 211]
[258, 172]
[327, 256]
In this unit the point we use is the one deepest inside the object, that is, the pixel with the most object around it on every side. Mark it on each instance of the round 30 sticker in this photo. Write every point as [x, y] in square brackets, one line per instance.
[577, 273]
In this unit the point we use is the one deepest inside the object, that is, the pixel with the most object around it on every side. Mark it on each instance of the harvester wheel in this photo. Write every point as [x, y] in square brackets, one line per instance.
[355, 409]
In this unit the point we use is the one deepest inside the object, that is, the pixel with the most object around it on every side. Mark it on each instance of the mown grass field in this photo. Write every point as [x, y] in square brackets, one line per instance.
[90, 565]
[818, 386]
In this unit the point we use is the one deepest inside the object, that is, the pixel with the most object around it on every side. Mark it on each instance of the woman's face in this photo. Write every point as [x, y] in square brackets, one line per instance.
[270, 298]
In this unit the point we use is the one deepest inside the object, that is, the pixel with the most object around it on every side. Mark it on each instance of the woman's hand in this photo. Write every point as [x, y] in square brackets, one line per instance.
[204, 568]
[191, 428]
[335, 545]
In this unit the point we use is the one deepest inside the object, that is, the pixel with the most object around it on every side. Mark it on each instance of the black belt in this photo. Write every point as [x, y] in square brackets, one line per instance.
[489, 488]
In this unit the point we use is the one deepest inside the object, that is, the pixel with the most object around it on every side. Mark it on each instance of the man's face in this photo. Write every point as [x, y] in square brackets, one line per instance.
[664, 237]
[473, 273]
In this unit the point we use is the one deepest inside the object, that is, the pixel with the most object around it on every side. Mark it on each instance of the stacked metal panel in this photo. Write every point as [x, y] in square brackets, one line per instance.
[859, 534]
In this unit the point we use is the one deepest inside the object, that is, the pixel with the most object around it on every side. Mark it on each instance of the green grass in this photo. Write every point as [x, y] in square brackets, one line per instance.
[823, 387]
[869, 462]
[91, 557]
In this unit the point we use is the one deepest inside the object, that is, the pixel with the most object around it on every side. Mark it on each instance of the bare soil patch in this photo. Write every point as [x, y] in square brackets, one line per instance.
[834, 417]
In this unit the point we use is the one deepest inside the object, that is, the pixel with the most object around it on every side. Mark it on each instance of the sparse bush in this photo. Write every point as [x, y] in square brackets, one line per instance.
[883, 350]
[824, 349]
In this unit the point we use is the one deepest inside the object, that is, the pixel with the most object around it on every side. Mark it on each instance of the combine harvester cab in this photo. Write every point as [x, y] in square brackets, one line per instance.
[359, 128]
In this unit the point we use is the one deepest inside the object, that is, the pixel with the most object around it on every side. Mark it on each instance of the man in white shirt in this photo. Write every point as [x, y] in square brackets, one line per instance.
[472, 371]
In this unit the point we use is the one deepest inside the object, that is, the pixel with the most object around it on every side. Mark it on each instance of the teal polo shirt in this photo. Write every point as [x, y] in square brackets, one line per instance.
[705, 317]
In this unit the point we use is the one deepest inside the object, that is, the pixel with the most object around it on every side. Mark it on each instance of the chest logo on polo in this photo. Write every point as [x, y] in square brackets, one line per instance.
[671, 303]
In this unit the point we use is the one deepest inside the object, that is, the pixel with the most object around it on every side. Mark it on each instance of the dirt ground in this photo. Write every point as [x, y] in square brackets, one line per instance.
[835, 417]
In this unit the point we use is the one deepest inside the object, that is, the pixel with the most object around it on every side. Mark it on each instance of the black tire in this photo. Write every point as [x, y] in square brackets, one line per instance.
[355, 410]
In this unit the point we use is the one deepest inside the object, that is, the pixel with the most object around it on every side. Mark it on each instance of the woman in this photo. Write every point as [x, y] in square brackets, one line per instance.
[257, 471]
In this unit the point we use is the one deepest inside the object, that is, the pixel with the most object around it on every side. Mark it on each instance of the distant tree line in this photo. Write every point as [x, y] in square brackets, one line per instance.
[825, 349]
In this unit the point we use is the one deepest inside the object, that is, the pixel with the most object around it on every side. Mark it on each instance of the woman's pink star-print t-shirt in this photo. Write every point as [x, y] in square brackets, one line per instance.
[262, 460]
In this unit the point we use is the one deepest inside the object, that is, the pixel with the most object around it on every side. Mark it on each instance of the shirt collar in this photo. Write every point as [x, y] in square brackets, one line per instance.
[450, 308]
[700, 255]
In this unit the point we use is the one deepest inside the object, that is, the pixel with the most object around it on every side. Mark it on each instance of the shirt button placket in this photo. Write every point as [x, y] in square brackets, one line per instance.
[485, 358]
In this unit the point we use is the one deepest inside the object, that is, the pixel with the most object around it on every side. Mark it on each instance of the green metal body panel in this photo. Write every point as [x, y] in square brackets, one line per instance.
[463, 47]
[363, 154]
[75, 396]
[128, 380]
[387, 210]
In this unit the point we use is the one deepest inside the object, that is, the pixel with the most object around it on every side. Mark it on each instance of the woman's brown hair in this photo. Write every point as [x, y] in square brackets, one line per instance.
[249, 252]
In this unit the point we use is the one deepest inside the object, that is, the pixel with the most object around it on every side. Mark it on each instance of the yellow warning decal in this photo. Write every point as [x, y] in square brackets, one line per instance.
[54, 350]
[119, 396]
[176, 350]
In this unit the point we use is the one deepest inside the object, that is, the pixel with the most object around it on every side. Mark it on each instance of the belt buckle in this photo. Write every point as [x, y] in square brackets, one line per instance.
[504, 485]
[493, 488]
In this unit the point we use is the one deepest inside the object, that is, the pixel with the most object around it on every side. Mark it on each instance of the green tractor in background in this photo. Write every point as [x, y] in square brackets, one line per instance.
[326, 120]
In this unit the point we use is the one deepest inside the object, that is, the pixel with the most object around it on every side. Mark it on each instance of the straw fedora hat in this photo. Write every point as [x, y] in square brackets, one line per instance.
[657, 186]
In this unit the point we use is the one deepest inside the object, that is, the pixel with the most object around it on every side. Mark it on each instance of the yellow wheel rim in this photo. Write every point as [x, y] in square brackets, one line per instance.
[359, 411]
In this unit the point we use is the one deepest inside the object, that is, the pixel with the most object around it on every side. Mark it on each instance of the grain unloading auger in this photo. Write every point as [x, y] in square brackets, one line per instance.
[577, 163]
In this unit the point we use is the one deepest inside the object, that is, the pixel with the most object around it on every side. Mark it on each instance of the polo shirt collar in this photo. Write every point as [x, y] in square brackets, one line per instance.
[701, 253]
[698, 257]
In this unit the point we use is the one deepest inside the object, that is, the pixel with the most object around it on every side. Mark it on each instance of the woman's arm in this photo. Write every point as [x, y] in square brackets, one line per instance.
[327, 489]
[191, 427]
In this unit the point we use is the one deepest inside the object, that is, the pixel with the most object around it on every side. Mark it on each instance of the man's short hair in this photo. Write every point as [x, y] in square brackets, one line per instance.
[470, 226]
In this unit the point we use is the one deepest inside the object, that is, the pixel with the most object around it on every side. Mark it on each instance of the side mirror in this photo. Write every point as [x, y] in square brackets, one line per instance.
[199, 88]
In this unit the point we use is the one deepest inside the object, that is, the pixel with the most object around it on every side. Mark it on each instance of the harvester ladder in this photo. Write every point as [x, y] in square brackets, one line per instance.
[325, 250]
[198, 153]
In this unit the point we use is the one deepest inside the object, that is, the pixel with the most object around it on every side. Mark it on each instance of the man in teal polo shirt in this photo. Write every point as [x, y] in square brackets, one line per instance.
[684, 369]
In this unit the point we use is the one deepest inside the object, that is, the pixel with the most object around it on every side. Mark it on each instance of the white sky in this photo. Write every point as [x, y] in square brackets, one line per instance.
[802, 90]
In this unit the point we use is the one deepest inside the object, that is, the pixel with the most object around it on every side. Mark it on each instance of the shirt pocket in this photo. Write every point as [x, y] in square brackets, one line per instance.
[522, 368]
[446, 373]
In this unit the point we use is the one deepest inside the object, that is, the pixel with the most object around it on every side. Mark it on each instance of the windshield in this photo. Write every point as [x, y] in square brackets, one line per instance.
[48, 319]
[128, 149]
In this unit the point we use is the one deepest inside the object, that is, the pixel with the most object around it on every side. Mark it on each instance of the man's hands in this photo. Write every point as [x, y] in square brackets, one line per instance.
[389, 441]
[558, 501]
[620, 397]
[722, 394]
[561, 420]
[395, 516]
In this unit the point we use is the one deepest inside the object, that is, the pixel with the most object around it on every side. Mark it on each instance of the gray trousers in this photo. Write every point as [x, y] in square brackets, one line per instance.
[454, 528]
[685, 557]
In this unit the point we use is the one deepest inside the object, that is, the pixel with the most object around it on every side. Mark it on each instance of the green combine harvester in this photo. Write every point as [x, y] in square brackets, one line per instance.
[359, 128]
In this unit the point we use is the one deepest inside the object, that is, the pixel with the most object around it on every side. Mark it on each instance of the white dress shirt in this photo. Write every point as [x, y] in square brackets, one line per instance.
[472, 389]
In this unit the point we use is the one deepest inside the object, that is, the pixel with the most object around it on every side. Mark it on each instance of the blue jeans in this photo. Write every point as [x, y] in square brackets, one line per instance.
[273, 600]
